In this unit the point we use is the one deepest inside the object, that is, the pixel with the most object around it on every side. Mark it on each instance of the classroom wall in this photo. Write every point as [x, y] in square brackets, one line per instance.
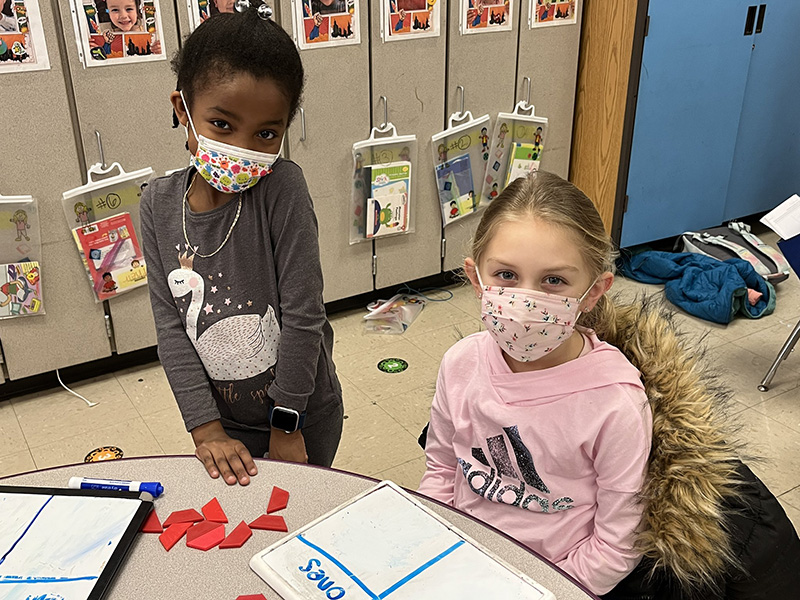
[58, 111]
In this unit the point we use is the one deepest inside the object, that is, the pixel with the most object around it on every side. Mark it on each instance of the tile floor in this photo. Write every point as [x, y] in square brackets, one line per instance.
[386, 412]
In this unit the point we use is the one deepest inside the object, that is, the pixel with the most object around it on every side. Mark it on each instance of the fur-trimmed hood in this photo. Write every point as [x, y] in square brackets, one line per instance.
[692, 468]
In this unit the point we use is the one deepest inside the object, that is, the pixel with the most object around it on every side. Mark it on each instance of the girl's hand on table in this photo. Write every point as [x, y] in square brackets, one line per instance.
[223, 455]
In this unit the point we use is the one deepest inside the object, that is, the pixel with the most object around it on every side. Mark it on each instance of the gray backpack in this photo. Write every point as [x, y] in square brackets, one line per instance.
[736, 241]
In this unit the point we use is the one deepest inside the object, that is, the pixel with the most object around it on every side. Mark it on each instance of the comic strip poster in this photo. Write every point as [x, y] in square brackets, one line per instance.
[543, 13]
[408, 19]
[485, 16]
[22, 45]
[111, 32]
[325, 23]
[200, 10]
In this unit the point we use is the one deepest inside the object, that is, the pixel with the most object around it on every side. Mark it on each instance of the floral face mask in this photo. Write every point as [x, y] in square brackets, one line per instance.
[227, 168]
[527, 324]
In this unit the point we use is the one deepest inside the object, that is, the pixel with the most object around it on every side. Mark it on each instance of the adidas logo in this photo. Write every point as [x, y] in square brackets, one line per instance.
[488, 484]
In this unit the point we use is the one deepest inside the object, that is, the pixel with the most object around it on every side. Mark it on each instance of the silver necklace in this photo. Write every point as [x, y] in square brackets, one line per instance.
[230, 231]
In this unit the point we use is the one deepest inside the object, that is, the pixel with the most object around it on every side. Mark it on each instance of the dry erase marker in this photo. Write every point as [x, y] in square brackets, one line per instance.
[153, 488]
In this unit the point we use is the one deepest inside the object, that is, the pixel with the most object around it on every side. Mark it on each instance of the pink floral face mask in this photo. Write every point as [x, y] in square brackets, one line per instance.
[527, 324]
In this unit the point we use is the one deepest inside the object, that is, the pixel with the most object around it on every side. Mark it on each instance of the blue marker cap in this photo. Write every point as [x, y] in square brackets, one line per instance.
[153, 488]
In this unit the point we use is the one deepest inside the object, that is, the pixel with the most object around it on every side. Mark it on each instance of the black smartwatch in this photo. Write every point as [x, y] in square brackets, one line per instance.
[286, 419]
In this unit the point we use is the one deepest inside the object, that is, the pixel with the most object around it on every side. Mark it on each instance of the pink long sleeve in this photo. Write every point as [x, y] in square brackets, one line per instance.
[604, 558]
[440, 473]
[555, 458]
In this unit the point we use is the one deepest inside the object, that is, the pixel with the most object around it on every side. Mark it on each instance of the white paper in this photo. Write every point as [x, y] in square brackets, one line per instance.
[784, 219]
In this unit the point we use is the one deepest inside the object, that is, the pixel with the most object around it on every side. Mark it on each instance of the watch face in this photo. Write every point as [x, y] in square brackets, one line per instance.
[284, 418]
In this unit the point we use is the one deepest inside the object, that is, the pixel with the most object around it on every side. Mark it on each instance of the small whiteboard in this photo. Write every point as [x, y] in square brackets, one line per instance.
[385, 543]
[64, 544]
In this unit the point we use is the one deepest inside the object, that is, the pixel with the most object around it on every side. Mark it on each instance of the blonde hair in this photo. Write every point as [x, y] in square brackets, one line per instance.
[549, 198]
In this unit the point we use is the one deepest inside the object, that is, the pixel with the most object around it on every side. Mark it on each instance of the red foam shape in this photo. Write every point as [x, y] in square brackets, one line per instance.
[277, 500]
[211, 535]
[152, 524]
[251, 597]
[201, 528]
[270, 523]
[237, 537]
[189, 515]
[213, 512]
[173, 534]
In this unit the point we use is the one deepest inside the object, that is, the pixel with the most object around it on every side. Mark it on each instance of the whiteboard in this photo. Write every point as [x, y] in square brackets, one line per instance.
[385, 543]
[63, 544]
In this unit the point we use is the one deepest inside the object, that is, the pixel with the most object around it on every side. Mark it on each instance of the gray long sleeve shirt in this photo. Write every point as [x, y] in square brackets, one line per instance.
[248, 322]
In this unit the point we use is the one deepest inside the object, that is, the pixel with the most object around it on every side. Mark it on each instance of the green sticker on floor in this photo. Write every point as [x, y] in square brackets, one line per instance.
[392, 365]
[103, 453]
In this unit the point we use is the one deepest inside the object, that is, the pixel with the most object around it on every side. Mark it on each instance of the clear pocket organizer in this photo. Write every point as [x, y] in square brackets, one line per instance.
[104, 230]
[381, 201]
[518, 142]
[20, 258]
[460, 153]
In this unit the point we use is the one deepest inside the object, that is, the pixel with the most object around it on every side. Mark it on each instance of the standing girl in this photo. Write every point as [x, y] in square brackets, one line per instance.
[544, 431]
[232, 252]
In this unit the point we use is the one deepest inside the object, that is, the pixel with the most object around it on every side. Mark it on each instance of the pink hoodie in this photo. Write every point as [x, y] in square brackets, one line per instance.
[554, 458]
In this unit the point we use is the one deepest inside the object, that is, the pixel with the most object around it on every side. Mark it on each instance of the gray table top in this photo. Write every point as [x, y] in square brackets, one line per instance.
[150, 572]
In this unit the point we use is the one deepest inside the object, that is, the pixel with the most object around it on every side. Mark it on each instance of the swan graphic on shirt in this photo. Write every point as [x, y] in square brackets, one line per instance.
[234, 348]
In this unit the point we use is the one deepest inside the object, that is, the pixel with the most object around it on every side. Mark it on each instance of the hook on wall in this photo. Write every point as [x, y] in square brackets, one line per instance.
[100, 148]
[302, 123]
[526, 81]
[385, 111]
[460, 90]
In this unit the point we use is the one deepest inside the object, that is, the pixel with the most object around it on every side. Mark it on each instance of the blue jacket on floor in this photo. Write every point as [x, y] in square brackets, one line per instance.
[702, 286]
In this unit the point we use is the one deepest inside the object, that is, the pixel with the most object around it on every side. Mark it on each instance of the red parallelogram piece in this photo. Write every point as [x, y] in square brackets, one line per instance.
[173, 534]
[237, 537]
[183, 516]
[152, 524]
[213, 512]
[270, 523]
[205, 535]
[277, 500]
[251, 597]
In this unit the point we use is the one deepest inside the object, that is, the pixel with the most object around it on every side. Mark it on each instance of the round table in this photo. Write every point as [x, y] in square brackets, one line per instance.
[151, 572]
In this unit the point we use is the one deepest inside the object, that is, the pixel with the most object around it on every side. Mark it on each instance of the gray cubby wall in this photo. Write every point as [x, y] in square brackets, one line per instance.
[419, 78]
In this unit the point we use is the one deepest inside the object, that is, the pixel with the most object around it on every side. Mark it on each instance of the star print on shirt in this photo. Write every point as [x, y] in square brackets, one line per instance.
[249, 303]
[219, 274]
[213, 289]
[239, 306]
[211, 277]
[227, 301]
[209, 308]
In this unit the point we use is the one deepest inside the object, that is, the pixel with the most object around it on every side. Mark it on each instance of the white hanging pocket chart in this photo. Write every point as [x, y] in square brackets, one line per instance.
[384, 543]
